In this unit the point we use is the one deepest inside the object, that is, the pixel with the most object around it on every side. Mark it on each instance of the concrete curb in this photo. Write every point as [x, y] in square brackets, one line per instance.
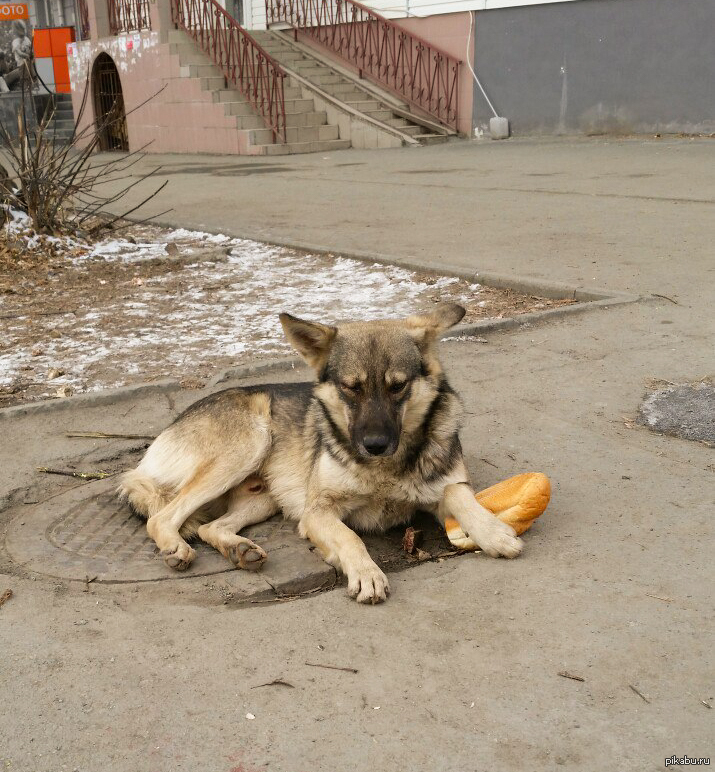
[589, 299]
[285, 364]
[90, 399]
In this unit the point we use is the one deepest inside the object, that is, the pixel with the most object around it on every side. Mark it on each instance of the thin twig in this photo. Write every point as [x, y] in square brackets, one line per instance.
[80, 475]
[665, 297]
[277, 682]
[659, 597]
[5, 597]
[640, 694]
[110, 436]
[566, 674]
[333, 667]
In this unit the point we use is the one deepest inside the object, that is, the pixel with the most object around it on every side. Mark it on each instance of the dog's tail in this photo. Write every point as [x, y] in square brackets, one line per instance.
[144, 495]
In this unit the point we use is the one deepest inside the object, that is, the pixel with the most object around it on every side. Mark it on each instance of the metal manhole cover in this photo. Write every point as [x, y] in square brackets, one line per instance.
[681, 410]
[88, 532]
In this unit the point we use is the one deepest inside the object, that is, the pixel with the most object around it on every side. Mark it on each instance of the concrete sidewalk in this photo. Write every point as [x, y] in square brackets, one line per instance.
[460, 669]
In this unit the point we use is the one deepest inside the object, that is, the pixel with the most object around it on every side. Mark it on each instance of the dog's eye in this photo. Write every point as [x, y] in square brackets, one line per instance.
[397, 387]
[350, 388]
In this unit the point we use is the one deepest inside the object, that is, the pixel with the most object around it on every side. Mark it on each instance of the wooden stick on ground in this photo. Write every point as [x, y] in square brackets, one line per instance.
[80, 475]
[110, 436]
[332, 667]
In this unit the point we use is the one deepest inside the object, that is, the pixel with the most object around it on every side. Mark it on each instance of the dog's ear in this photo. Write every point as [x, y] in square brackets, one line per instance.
[426, 327]
[310, 339]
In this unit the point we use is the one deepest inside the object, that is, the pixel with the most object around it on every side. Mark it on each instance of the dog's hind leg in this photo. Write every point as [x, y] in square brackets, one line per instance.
[248, 503]
[210, 480]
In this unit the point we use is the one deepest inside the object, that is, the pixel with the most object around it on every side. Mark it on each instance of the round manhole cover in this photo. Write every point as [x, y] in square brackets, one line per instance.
[88, 532]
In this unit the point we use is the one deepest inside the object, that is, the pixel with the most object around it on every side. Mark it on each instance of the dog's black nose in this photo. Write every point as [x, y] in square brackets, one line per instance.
[376, 444]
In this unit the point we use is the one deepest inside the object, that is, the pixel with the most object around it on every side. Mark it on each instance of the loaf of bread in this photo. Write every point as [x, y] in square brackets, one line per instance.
[517, 501]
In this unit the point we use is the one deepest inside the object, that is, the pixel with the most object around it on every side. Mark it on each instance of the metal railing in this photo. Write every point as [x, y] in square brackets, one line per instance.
[83, 19]
[423, 74]
[128, 15]
[242, 61]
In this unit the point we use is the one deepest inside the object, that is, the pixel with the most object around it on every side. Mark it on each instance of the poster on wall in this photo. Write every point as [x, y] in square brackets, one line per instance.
[15, 45]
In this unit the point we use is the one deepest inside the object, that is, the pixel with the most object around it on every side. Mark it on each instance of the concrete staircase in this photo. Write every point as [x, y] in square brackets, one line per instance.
[308, 130]
[385, 111]
[62, 126]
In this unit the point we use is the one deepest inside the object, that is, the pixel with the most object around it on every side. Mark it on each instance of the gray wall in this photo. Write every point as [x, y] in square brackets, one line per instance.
[595, 66]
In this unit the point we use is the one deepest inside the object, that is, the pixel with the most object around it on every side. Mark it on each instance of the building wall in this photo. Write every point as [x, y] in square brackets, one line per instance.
[451, 33]
[596, 66]
[167, 111]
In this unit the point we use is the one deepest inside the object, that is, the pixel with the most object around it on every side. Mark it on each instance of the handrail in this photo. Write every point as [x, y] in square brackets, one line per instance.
[423, 74]
[128, 15]
[254, 72]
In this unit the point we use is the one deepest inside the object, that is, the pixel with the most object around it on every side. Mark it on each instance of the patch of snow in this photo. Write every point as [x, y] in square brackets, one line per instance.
[226, 311]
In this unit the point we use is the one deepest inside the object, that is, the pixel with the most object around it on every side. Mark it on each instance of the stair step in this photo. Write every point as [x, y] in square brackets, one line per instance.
[200, 71]
[193, 57]
[297, 134]
[319, 146]
[285, 55]
[432, 139]
[365, 106]
[412, 129]
[314, 118]
[252, 121]
[379, 114]
[345, 87]
[238, 107]
[352, 95]
[324, 80]
[310, 69]
[213, 83]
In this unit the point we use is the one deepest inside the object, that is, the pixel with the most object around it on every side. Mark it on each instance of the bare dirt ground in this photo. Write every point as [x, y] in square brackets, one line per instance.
[155, 303]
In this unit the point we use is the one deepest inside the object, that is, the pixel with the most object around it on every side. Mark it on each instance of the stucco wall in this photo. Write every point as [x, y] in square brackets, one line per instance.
[178, 115]
[450, 32]
[599, 66]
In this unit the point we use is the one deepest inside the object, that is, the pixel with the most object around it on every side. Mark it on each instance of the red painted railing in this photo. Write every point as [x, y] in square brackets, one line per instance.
[424, 75]
[243, 62]
[83, 19]
[128, 15]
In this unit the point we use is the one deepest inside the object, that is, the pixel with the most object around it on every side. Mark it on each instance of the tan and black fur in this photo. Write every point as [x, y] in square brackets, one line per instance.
[372, 440]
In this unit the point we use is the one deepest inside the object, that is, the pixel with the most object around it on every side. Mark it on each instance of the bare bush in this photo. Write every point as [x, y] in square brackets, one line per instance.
[59, 183]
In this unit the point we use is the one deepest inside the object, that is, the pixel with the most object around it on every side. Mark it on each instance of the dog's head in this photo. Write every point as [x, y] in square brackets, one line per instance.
[376, 380]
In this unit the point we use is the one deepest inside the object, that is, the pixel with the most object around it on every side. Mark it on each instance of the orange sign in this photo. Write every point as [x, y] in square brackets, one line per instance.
[13, 11]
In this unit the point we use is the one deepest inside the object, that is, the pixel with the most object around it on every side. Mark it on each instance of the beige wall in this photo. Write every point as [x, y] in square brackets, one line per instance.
[450, 31]
[179, 115]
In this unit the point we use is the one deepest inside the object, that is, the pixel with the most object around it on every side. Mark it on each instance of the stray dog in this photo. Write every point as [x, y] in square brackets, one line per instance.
[371, 441]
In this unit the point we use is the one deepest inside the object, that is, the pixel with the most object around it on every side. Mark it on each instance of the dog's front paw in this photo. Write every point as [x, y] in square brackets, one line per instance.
[499, 541]
[367, 584]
